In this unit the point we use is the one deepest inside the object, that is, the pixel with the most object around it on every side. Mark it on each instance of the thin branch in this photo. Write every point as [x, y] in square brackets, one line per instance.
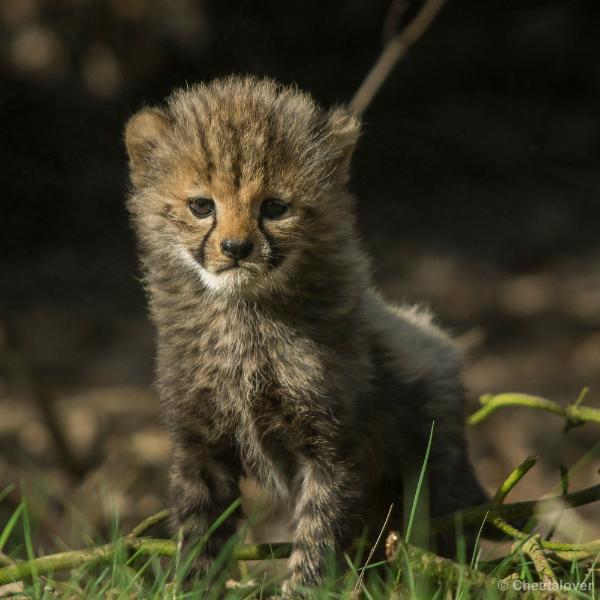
[476, 514]
[533, 548]
[505, 527]
[574, 413]
[571, 557]
[509, 483]
[138, 530]
[394, 50]
[592, 547]
[392, 19]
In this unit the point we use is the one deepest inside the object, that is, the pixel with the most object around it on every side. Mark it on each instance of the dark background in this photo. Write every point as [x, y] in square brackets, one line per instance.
[478, 178]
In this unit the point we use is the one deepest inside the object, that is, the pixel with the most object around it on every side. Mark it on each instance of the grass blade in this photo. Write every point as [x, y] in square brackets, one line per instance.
[10, 525]
[419, 486]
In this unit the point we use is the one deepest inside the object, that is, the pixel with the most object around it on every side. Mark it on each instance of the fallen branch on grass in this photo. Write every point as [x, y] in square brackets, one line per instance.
[428, 564]
[134, 544]
[45, 565]
[473, 583]
[422, 561]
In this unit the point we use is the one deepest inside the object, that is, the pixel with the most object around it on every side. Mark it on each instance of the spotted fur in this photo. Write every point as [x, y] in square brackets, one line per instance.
[286, 365]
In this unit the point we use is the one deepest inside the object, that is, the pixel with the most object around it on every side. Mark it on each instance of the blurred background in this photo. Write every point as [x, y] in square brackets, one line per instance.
[478, 179]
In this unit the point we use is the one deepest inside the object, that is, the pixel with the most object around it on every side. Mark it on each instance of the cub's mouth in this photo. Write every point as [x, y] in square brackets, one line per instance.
[235, 267]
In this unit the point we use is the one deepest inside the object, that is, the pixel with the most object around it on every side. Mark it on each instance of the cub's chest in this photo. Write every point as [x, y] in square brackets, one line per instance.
[261, 360]
[265, 378]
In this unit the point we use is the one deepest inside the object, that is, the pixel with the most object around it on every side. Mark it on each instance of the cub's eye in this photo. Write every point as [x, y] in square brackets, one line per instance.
[201, 207]
[272, 208]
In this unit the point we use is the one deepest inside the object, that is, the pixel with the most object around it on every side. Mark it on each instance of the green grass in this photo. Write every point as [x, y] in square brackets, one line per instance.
[154, 580]
[139, 576]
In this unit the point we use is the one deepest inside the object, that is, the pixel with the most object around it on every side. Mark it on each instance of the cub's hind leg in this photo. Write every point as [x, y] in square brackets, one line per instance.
[453, 486]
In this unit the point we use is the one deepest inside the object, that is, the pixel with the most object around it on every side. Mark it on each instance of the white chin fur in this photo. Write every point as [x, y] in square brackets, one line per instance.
[235, 279]
[228, 280]
[212, 281]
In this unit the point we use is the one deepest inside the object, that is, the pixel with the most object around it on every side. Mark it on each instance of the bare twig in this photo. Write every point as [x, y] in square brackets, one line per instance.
[394, 50]
[392, 19]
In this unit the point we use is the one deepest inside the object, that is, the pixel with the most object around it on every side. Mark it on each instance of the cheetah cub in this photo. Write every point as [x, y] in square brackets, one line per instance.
[276, 358]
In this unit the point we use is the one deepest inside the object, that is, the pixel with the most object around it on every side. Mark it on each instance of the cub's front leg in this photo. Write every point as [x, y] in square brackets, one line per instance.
[324, 500]
[204, 483]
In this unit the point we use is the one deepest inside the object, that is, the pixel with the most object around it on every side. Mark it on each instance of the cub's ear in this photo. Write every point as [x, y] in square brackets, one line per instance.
[142, 133]
[345, 128]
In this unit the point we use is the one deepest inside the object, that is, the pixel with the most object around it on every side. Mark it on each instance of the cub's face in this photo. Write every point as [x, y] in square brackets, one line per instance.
[237, 181]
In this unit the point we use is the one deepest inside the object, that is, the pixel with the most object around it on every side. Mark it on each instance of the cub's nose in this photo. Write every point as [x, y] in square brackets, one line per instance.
[236, 249]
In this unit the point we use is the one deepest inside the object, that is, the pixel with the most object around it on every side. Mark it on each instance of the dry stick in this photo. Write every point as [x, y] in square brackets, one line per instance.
[392, 53]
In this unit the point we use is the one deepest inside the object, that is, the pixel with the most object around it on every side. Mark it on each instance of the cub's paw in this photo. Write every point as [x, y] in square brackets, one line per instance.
[197, 572]
[292, 590]
[201, 562]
